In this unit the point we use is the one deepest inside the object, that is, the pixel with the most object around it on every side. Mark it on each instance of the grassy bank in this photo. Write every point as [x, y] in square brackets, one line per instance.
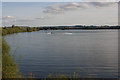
[16, 29]
[9, 67]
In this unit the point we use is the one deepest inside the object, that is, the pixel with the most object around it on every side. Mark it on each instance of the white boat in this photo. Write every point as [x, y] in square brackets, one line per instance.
[68, 33]
[49, 33]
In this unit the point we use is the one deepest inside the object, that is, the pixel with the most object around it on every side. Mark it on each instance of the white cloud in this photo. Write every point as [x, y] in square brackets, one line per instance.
[42, 18]
[8, 17]
[102, 4]
[65, 7]
[25, 20]
[75, 6]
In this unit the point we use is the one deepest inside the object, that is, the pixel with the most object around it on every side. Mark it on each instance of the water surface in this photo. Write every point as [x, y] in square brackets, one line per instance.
[89, 53]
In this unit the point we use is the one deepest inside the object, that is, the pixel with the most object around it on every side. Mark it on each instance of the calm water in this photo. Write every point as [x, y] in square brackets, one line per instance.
[89, 53]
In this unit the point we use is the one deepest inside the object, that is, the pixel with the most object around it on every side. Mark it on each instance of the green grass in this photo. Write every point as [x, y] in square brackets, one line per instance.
[16, 29]
[0, 53]
[9, 67]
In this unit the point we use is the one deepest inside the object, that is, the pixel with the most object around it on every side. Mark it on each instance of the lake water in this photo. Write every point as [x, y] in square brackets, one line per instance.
[86, 53]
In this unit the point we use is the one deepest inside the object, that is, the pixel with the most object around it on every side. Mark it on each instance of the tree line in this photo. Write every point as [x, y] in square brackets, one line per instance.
[17, 29]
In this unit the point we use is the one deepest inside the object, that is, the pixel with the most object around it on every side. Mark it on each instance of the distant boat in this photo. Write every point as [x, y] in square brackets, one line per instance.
[68, 33]
[50, 33]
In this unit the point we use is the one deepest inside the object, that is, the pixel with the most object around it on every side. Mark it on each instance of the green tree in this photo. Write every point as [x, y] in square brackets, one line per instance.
[13, 26]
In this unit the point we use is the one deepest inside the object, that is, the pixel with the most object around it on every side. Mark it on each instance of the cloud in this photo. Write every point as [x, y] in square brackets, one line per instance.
[32, 19]
[24, 20]
[65, 7]
[74, 6]
[12, 19]
[8, 17]
[42, 17]
[102, 4]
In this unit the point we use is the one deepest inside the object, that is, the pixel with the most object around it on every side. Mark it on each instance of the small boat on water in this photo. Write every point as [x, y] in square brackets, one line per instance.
[50, 33]
[68, 33]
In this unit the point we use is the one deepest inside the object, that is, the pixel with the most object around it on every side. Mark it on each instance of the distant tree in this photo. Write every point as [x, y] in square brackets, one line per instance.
[5, 27]
[13, 26]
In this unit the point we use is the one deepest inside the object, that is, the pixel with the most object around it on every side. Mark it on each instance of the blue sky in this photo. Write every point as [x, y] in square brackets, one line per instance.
[59, 13]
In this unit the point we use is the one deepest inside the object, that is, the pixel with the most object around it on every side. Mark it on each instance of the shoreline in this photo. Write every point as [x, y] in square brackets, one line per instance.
[15, 29]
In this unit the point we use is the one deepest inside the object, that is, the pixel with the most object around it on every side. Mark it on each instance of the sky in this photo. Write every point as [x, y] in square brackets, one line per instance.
[59, 13]
[59, 0]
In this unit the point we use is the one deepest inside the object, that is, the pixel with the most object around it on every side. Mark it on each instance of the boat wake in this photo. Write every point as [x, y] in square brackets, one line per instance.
[49, 33]
[68, 33]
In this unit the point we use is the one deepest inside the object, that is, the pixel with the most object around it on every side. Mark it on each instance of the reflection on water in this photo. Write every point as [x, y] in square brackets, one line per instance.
[90, 53]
